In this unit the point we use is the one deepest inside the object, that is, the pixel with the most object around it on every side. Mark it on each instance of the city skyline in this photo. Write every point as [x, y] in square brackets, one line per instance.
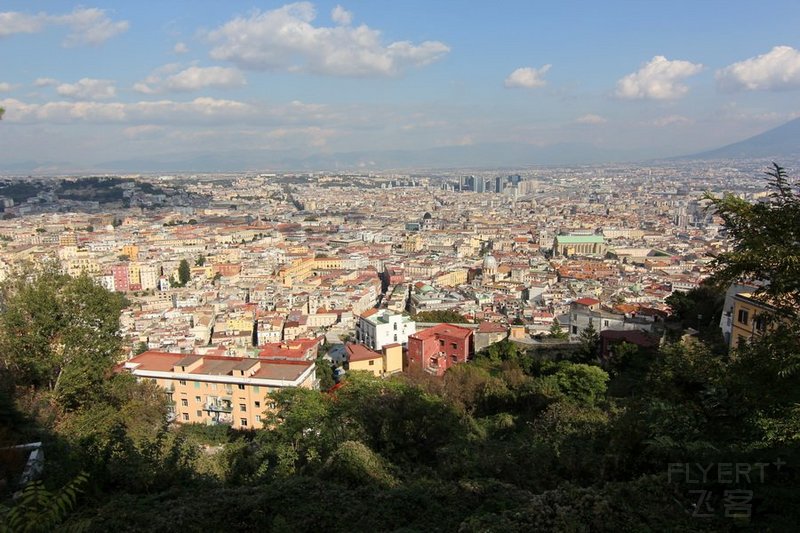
[85, 85]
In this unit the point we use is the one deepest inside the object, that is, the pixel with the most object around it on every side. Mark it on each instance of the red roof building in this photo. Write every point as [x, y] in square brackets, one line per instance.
[436, 349]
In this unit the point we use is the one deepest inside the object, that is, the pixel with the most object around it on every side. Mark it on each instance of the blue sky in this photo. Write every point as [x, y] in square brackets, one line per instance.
[87, 83]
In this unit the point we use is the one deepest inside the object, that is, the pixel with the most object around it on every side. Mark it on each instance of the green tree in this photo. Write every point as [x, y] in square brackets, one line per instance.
[765, 237]
[59, 333]
[140, 347]
[40, 510]
[184, 273]
[450, 317]
[2, 112]
[590, 344]
[556, 331]
[324, 373]
[200, 261]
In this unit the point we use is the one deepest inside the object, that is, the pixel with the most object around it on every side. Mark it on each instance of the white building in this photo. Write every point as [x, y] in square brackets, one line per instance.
[378, 327]
[586, 311]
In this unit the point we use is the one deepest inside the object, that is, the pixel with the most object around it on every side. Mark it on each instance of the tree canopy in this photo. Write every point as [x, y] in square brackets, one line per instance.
[765, 238]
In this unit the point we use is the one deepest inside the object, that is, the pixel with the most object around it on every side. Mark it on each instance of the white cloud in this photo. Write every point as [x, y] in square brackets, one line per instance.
[90, 26]
[167, 112]
[591, 119]
[5, 87]
[86, 25]
[659, 79]
[45, 82]
[286, 39]
[777, 70]
[12, 22]
[671, 120]
[180, 48]
[88, 89]
[341, 16]
[527, 78]
[173, 77]
[194, 78]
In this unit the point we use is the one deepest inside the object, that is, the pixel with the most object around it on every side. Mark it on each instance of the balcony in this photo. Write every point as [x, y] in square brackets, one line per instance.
[218, 407]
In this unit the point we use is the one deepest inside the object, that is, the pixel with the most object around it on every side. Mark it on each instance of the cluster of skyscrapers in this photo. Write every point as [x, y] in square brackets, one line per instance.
[482, 184]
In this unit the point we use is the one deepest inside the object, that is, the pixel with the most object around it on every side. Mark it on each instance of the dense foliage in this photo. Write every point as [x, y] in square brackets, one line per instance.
[451, 317]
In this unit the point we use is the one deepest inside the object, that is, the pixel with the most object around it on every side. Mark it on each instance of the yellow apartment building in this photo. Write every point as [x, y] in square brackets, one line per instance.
[750, 318]
[384, 363]
[214, 390]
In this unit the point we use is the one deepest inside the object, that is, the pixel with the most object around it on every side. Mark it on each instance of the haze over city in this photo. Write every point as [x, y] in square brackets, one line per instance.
[239, 85]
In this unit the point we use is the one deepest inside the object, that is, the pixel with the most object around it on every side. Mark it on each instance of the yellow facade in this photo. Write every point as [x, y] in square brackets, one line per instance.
[450, 279]
[132, 251]
[369, 365]
[383, 364]
[134, 273]
[205, 402]
[393, 359]
[750, 318]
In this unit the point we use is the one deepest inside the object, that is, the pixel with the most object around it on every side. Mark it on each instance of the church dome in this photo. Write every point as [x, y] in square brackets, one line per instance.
[489, 262]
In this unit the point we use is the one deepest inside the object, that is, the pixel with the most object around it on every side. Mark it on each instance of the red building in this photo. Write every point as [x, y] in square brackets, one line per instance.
[436, 349]
[121, 280]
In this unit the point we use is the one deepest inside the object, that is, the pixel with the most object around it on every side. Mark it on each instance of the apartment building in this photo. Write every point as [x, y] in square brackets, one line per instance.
[379, 327]
[750, 318]
[209, 389]
[386, 362]
[436, 349]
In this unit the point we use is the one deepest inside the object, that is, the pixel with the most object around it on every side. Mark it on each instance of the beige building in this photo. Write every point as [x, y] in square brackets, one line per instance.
[212, 390]
[384, 363]
[750, 318]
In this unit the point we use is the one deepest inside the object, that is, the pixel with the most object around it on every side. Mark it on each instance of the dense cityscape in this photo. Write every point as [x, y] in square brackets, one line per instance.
[409, 267]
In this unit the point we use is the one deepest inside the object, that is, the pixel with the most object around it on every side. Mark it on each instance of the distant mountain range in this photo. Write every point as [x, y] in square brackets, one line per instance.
[779, 143]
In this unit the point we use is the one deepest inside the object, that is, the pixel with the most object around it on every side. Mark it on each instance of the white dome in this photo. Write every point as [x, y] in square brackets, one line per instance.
[489, 262]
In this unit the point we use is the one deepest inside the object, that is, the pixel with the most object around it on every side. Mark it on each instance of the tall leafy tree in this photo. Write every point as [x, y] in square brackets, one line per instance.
[590, 344]
[556, 331]
[184, 273]
[765, 239]
[59, 333]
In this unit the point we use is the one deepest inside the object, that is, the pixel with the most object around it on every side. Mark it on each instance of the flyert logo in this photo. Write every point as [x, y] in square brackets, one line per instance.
[737, 501]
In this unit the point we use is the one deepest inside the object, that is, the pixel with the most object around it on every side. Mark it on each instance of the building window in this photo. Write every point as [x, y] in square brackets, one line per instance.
[243, 422]
[743, 316]
[441, 342]
[760, 323]
[372, 362]
[185, 416]
[182, 382]
[605, 323]
[199, 414]
[243, 407]
[453, 345]
[241, 387]
[258, 405]
[258, 418]
[574, 330]
[196, 384]
[184, 402]
[197, 399]
[454, 359]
